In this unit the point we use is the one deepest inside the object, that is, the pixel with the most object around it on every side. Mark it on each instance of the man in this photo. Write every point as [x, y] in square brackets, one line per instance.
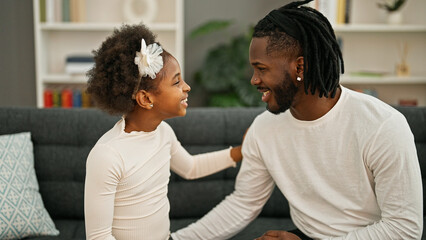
[345, 161]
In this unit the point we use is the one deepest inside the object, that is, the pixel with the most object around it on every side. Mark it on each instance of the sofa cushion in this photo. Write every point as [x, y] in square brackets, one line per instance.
[22, 212]
[255, 229]
[69, 230]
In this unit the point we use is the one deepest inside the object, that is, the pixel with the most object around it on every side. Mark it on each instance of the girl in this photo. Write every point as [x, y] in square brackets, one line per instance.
[128, 169]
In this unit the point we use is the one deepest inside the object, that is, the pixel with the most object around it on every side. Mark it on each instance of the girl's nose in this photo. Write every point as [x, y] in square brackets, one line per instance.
[186, 87]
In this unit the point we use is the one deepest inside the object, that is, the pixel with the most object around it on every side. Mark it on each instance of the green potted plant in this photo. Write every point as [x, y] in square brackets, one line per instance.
[225, 73]
[392, 7]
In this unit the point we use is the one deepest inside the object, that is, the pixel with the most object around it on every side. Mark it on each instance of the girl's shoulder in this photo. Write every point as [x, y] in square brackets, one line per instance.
[164, 126]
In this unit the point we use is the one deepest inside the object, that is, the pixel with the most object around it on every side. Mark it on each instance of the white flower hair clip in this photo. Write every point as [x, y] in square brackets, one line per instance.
[149, 60]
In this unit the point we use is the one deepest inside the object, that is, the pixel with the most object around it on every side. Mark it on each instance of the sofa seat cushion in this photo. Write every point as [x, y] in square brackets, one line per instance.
[69, 230]
[255, 229]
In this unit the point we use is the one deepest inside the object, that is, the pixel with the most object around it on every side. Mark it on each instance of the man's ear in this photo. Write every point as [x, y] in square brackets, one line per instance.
[300, 63]
[144, 99]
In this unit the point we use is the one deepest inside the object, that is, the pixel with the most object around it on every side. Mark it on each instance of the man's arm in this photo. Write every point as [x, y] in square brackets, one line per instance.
[392, 160]
[253, 188]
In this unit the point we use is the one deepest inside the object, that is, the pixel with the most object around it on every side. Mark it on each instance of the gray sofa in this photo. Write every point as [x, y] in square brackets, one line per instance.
[62, 139]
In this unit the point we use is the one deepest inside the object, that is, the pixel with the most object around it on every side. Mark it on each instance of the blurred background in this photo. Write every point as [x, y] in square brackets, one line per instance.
[46, 44]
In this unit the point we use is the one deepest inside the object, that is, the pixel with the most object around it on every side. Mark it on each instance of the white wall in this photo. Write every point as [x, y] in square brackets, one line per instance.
[17, 70]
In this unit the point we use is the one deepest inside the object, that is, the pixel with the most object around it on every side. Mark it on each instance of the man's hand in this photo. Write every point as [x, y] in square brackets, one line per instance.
[278, 235]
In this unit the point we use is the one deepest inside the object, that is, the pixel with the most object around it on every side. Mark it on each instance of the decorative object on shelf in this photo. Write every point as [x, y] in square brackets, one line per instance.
[392, 7]
[402, 68]
[136, 11]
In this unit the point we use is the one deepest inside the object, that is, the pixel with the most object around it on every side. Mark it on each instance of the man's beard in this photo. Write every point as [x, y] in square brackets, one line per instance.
[284, 95]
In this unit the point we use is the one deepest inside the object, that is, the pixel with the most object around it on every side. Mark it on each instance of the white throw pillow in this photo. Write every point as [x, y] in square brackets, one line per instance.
[22, 213]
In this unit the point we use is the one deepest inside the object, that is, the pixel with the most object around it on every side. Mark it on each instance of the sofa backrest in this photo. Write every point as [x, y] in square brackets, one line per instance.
[62, 139]
[416, 118]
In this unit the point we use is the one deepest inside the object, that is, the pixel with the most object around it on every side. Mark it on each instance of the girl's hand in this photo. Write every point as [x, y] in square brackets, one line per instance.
[278, 235]
[236, 151]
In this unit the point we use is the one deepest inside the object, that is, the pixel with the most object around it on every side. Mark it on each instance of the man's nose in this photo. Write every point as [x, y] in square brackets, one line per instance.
[254, 81]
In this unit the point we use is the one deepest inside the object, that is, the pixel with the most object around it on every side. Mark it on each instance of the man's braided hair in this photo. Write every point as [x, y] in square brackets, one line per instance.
[317, 42]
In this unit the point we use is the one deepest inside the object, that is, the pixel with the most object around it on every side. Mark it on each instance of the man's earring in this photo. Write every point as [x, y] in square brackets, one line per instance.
[151, 105]
[299, 79]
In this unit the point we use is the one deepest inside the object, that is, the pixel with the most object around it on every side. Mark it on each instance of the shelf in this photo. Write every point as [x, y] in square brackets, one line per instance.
[101, 26]
[55, 40]
[383, 80]
[64, 79]
[82, 79]
[342, 28]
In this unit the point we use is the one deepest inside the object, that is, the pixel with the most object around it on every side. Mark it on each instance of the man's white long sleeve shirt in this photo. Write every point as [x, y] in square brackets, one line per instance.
[351, 174]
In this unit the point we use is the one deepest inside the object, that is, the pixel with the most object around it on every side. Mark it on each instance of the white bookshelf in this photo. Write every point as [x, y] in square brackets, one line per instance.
[55, 40]
[370, 45]
[375, 28]
[101, 26]
[375, 48]
[388, 80]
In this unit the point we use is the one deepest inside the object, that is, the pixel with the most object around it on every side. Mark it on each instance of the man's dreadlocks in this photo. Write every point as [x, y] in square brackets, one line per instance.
[296, 29]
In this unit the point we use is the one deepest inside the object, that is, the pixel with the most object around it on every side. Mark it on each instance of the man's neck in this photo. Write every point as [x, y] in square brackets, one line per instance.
[308, 107]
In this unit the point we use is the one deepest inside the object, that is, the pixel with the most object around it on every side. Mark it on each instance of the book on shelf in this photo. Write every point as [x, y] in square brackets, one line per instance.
[66, 11]
[66, 98]
[50, 11]
[77, 10]
[408, 102]
[42, 4]
[62, 11]
[336, 11]
[348, 5]
[78, 64]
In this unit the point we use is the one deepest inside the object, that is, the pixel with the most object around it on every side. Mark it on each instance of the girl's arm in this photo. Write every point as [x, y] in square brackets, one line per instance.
[103, 173]
[201, 165]
[253, 187]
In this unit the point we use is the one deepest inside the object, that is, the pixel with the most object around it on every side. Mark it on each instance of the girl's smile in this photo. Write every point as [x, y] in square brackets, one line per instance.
[171, 97]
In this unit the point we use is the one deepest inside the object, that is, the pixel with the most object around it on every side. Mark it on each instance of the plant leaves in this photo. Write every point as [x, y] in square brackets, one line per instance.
[210, 26]
[225, 100]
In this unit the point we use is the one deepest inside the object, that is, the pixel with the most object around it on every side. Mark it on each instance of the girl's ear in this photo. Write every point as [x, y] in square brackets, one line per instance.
[144, 99]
